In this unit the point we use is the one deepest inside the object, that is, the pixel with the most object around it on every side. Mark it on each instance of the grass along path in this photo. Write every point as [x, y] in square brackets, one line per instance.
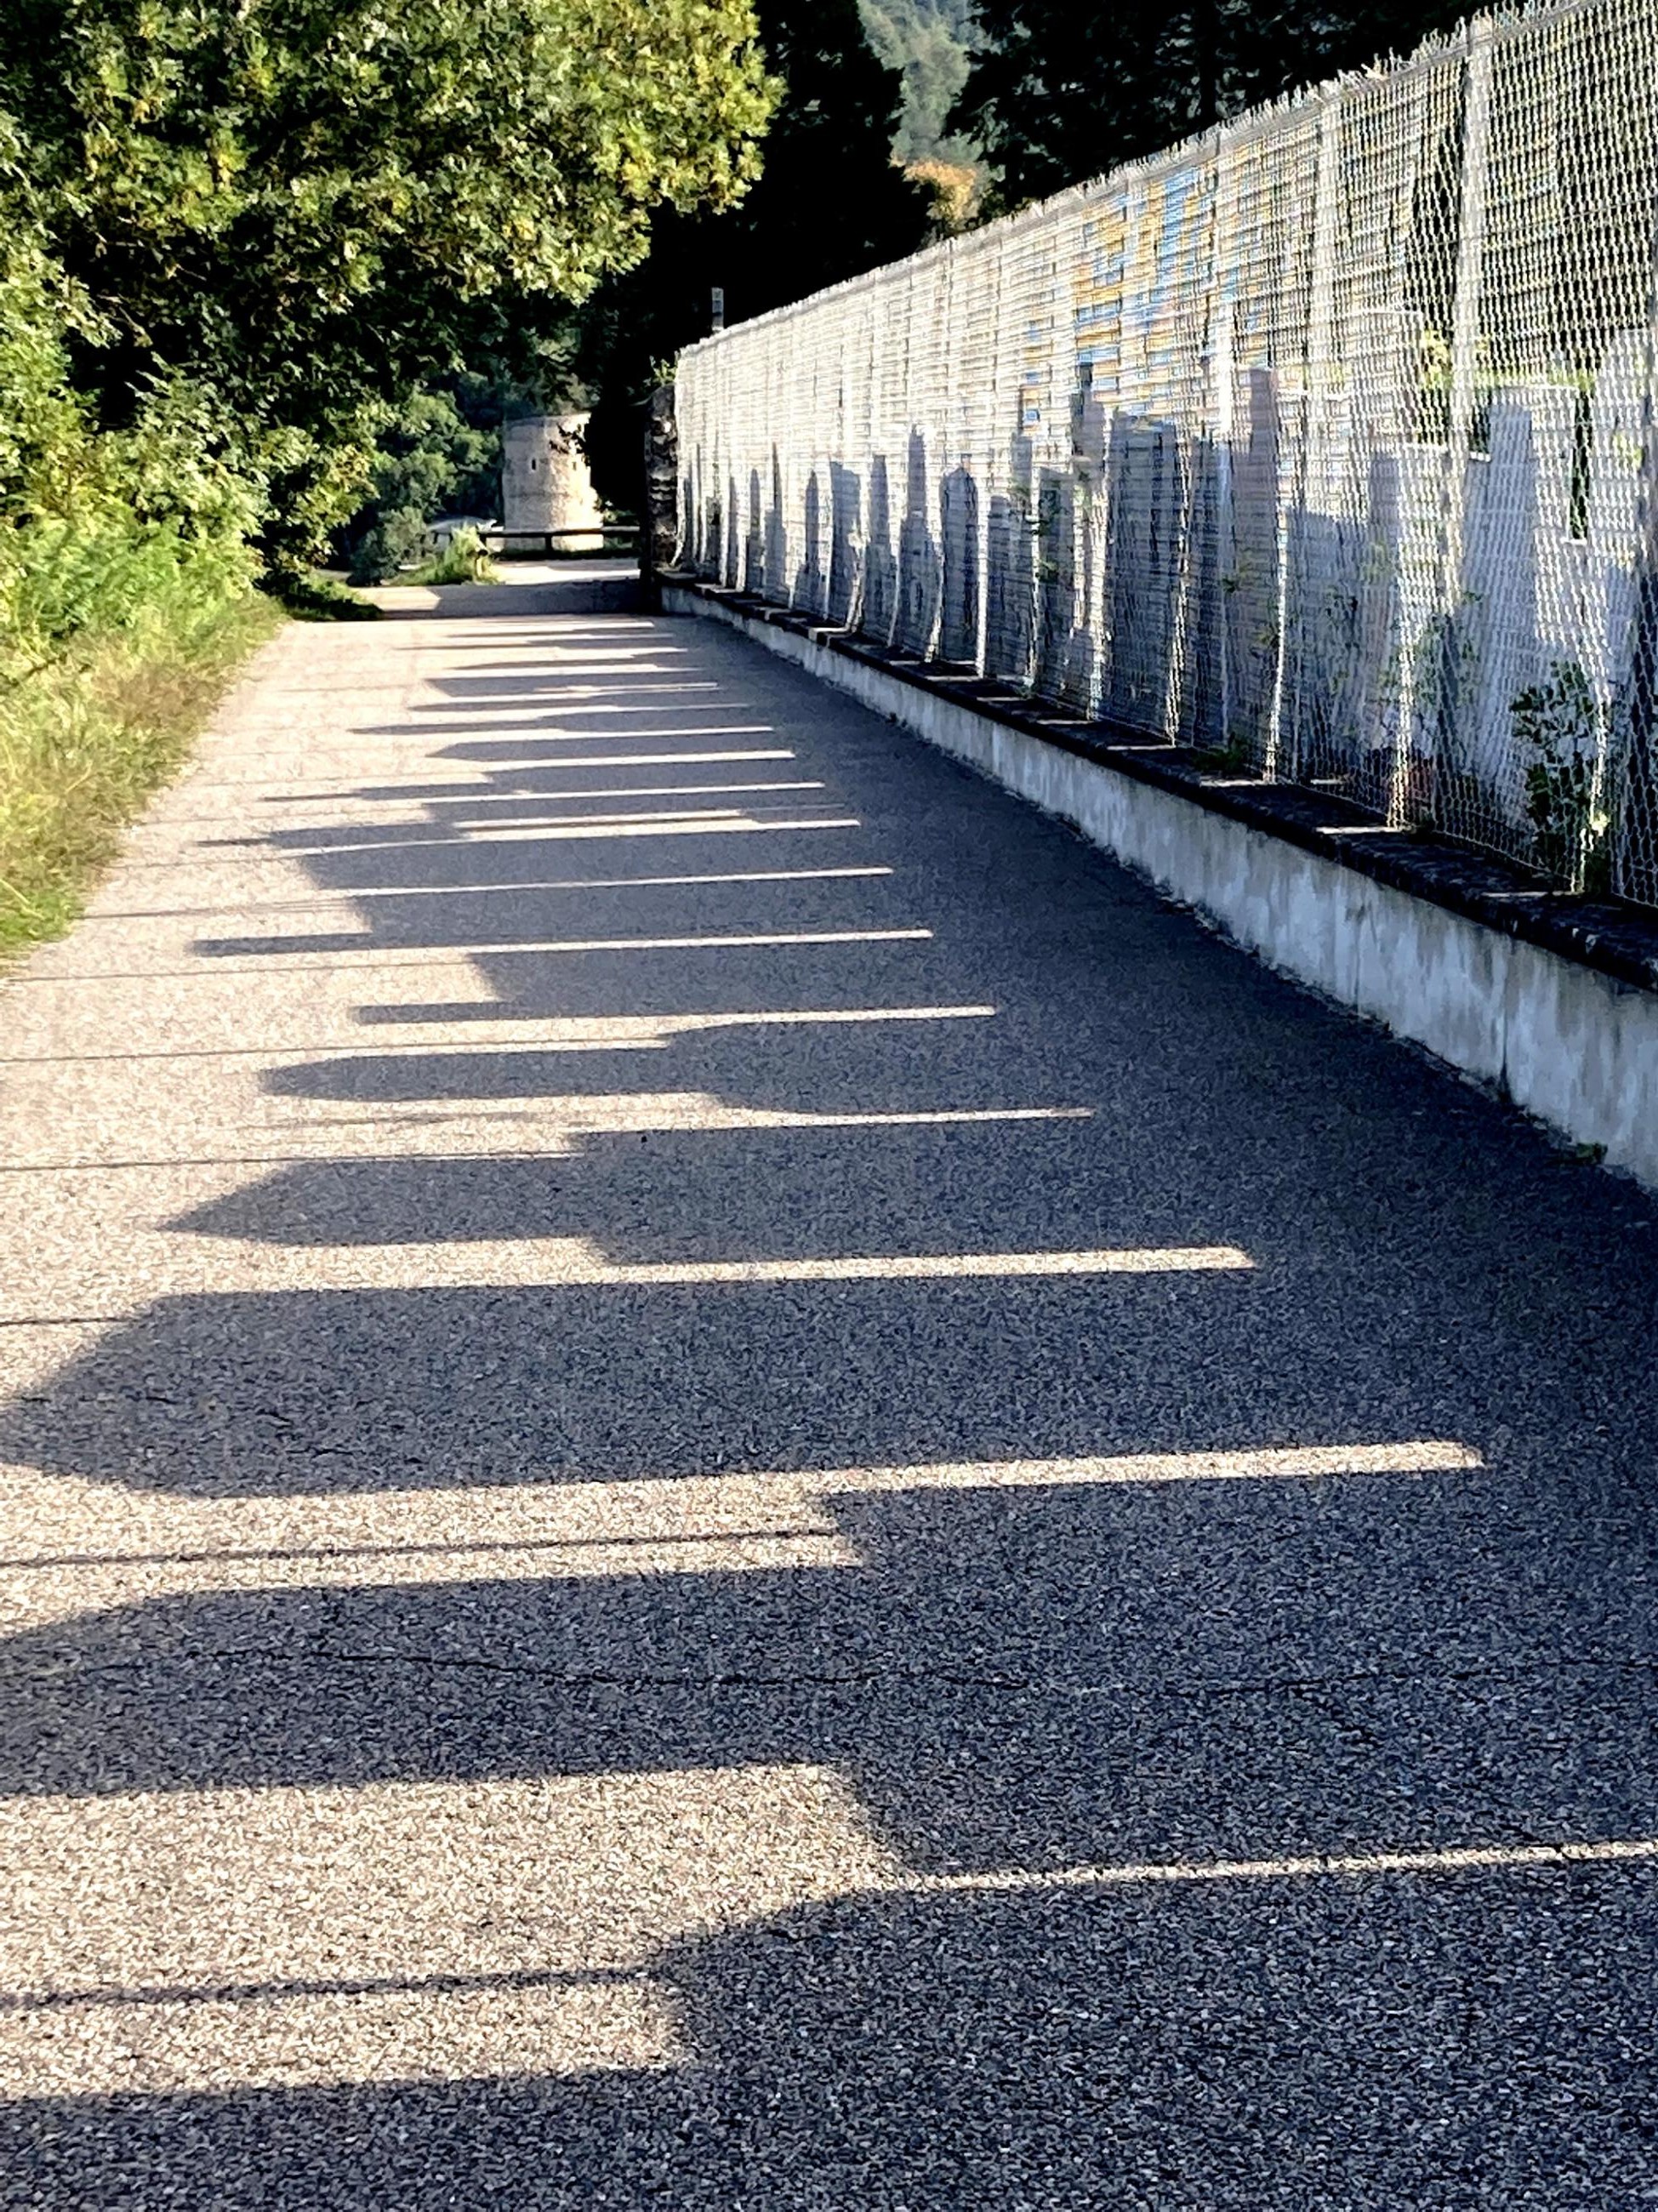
[86, 738]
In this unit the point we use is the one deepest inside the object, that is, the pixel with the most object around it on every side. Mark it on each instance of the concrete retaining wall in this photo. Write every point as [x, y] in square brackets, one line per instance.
[1576, 1048]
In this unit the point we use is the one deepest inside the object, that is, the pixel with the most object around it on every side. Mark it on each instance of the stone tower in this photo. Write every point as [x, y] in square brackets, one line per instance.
[544, 484]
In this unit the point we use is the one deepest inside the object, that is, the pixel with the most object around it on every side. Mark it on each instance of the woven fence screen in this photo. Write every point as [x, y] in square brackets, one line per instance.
[1325, 443]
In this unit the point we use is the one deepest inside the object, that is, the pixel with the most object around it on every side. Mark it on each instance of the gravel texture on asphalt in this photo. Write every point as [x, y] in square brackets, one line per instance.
[725, 1482]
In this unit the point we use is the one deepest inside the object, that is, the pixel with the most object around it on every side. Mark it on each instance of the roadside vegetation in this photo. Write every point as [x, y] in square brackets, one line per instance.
[271, 271]
[462, 560]
[126, 568]
[85, 741]
[239, 241]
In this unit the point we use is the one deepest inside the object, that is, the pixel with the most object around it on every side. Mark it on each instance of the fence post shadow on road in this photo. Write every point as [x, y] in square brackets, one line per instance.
[1020, 1691]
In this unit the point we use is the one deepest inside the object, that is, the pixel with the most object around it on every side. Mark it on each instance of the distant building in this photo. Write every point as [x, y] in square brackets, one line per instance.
[544, 484]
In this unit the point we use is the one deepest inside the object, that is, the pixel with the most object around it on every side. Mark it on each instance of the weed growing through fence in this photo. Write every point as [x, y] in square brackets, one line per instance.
[1236, 755]
[1557, 723]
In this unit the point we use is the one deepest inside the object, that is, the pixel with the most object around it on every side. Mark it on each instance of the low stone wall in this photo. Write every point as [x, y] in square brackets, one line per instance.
[1554, 1002]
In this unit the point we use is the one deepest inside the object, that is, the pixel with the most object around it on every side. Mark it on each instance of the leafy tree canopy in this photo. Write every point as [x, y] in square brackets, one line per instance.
[1062, 90]
[927, 41]
[829, 204]
[305, 206]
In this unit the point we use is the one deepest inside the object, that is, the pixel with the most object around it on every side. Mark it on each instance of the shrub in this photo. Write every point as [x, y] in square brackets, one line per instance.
[463, 561]
[124, 598]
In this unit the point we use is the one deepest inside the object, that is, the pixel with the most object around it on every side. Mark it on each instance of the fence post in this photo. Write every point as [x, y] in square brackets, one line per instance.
[1222, 426]
[1468, 302]
[1466, 305]
[1634, 875]
[1315, 377]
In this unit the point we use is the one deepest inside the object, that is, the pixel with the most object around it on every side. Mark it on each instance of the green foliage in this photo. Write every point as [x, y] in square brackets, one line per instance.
[124, 575]
[393, 541]
[43, 444]
[1059, 91]
[235, 235]
[928, 42]
[1567, 793]
[440, 455]
[463, 561]
[95, 527]
[957, 189]
[829, 204]
[305, 207]
[434, 458]
[320, 598]
[89, 735]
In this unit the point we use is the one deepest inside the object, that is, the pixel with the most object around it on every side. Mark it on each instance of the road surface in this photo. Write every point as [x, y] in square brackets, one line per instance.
[727, 1483]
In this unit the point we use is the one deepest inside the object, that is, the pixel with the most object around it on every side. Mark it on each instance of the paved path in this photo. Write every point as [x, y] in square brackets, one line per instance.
[728, 1484]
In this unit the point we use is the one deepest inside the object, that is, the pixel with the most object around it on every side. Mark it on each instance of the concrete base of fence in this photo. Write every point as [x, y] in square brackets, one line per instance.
[1563, 1035]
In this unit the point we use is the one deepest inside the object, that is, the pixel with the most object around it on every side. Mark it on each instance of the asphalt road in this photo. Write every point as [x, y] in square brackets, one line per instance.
[725, 1483]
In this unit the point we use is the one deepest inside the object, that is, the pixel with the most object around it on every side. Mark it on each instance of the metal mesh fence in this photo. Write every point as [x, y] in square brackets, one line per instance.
[1325, 442]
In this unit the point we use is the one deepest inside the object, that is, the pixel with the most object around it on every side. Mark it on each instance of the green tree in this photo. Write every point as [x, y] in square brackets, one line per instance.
[927, 41]
[305, 206]
[91, 522]
[830, 204]
[1061, 90]
[441, 454]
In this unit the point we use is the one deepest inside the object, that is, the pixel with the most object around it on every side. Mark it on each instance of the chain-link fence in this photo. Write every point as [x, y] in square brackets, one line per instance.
[1325, 442]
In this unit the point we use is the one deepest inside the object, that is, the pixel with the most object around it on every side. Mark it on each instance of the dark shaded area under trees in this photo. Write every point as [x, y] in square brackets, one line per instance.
[830, 204]
[1059, 92]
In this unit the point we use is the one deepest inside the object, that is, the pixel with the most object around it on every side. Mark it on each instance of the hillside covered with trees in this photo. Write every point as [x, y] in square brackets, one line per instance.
[1057, 91]
[928, 43]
